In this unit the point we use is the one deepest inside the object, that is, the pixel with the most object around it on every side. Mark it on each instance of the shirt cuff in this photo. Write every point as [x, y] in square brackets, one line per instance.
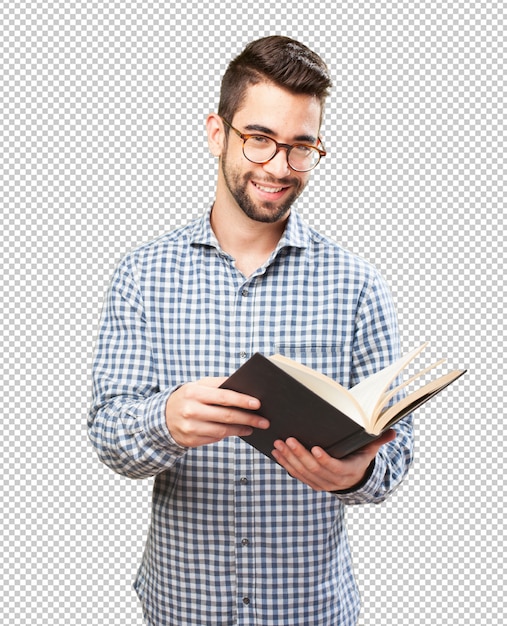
[371, 487]
[155, 424]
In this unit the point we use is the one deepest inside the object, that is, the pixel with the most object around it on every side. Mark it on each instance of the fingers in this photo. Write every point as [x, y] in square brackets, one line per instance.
[201, 413]
[207, 392]
[316, 469]
[322, 472]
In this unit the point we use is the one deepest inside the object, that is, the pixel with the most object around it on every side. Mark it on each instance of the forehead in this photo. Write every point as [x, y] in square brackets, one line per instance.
[282, 112]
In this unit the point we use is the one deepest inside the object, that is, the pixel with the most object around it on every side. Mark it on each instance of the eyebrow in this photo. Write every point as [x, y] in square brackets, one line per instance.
[258, 128]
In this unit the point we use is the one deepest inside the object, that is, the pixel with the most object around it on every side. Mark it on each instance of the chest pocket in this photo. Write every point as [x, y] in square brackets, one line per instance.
[330, 359]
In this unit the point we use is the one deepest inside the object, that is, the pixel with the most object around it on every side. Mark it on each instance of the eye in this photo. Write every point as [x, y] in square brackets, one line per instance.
[260, 140]
[302, 150]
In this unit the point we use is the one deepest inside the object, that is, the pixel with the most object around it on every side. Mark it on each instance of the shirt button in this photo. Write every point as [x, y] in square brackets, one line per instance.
[246, 600]
[244, 542]
[244, 293]
[242, 355]
[243, 481]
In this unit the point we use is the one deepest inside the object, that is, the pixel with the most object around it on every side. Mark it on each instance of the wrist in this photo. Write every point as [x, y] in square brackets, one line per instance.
[361, 483]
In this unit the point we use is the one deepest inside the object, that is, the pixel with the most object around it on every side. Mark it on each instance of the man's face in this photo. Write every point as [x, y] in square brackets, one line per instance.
[266, 192]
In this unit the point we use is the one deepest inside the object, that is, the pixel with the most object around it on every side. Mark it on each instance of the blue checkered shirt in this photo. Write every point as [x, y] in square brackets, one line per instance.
[233, 538]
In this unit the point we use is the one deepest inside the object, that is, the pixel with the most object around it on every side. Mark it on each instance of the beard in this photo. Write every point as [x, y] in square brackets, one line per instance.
[267, 212]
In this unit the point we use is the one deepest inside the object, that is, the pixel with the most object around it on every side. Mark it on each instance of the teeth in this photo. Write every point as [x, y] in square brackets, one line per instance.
[269, 189]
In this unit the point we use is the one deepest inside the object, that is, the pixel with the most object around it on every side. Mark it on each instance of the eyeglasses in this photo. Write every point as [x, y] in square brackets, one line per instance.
[261, 149]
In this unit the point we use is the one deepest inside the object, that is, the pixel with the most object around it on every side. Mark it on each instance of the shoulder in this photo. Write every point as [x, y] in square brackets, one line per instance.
[159, 252]
[322, 249]
[174, 240]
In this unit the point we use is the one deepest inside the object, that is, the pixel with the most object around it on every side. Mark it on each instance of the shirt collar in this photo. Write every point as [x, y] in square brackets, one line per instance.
[296, 234]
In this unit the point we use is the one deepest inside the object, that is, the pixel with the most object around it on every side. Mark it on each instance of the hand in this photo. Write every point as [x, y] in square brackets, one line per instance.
[200, 413]
[323, 472]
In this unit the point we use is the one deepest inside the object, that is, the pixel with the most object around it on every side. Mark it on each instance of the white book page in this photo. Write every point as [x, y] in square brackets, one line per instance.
[370, 390]
[382, 403]
[426, 390]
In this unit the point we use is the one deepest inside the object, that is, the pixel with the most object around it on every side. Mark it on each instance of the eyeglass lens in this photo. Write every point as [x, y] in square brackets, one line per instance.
[261, 149]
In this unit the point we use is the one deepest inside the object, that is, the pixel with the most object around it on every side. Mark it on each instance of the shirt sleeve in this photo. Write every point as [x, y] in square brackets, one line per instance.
[376, 345]
[126, 422]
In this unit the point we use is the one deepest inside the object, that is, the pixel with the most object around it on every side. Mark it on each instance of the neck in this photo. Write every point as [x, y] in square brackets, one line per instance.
[249, 242]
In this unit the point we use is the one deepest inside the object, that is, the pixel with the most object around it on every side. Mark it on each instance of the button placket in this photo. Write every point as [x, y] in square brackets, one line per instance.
[244, 316]
[244, 526]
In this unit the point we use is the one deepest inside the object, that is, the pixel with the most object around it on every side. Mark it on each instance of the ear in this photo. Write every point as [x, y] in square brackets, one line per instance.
[216, 134]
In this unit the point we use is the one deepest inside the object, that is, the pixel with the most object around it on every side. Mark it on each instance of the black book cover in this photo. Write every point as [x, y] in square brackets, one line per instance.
[294, 411]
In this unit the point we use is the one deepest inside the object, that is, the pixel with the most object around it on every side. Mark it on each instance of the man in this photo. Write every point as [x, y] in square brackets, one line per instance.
[236, 538]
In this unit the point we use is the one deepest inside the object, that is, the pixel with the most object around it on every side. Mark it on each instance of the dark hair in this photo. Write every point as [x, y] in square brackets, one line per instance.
[280, 60]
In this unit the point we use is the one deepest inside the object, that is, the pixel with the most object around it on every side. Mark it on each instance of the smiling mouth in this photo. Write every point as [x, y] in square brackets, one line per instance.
[265, 189]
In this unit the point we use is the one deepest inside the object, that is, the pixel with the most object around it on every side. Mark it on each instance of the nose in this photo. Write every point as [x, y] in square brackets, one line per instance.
[278, 166]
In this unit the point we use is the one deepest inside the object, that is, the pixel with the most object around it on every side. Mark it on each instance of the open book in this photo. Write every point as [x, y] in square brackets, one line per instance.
[302, 403]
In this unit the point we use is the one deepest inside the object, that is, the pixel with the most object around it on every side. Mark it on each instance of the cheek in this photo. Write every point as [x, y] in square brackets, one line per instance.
[303, 181]
[234, 165]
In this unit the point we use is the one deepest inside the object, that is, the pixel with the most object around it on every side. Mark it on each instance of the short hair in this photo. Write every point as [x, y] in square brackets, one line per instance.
[281, 60]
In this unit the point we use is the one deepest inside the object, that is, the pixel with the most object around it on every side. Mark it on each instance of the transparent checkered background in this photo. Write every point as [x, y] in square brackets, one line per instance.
[102, 147]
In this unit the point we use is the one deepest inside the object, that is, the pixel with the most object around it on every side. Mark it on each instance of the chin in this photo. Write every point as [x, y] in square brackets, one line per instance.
[267, 212]
[266, 215]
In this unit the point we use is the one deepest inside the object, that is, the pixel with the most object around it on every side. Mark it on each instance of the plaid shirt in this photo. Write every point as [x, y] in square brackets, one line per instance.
[233, 538]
